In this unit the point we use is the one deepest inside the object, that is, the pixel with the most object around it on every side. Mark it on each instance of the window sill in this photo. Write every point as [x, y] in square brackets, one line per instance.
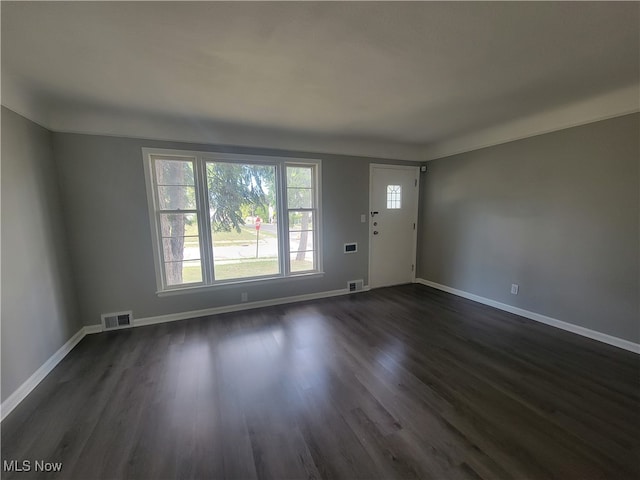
[236, 283]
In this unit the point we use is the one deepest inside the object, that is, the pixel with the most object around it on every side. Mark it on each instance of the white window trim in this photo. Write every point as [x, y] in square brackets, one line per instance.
[200, 159]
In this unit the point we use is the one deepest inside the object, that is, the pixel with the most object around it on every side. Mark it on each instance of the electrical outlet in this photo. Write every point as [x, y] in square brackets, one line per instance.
[244, 297]
[514, 288]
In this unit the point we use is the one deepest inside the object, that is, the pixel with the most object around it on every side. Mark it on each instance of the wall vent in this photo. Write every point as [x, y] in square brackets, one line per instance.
[117, 320]
[355, 285]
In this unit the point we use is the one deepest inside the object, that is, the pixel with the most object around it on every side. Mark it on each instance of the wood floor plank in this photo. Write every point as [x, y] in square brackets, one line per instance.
[402, 382]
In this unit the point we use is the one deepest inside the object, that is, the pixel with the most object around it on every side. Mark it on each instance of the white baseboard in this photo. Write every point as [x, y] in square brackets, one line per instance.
[32, 382]
[172, 317]
[585, 332]
[90, 329]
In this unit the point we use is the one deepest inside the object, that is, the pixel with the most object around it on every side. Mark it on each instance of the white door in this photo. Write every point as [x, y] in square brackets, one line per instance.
[393, 216]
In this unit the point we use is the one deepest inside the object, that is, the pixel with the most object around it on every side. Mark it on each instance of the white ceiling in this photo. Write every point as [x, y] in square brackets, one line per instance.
[392, 78]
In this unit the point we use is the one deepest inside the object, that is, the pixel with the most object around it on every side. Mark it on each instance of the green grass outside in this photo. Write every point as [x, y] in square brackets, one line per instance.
[244, 269]
[247, 232]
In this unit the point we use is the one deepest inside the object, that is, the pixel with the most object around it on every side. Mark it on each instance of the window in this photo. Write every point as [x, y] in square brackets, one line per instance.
[301, 213]
[242, 203]
[394, 196]
[178, 220]
[229, 218]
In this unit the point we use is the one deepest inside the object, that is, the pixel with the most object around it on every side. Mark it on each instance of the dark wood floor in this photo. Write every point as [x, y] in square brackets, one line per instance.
[404, 382]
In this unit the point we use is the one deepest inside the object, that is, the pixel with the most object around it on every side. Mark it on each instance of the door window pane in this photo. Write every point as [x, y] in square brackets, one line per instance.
[394, 196]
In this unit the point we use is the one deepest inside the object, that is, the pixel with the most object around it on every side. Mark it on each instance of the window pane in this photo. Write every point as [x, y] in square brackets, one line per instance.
[177, 198]
[174, 172]
[181, 248]
[248, 253]
[302, 261]
[300, 220]
[188, 271]
[300, 198]
[178, 224]
[394, 196]
[301, 241]
[240, 197]
[233, 269]
[300, 177]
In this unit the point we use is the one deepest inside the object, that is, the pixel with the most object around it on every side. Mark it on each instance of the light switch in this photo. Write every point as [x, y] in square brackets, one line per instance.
[363, 218]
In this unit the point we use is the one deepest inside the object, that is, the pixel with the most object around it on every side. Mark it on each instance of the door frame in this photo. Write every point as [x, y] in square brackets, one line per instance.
[414, 253]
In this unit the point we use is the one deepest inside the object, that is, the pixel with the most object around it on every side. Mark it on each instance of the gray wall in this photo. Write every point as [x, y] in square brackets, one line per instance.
[38, 303]
[557, 213]
[105, 206]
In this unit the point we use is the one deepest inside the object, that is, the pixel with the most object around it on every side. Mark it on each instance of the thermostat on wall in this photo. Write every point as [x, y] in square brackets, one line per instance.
[350, 247]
